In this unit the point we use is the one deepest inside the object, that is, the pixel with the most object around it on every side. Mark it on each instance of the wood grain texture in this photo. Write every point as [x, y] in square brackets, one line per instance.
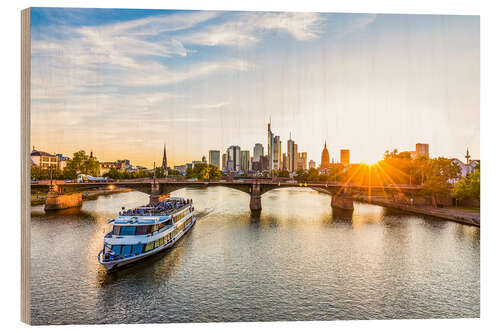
[25, 165]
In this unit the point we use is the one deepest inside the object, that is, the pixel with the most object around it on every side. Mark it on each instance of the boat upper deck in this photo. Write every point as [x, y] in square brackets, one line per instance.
[151, 214]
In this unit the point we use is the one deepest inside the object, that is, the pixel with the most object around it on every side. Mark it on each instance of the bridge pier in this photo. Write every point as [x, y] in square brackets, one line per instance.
[342, 201]
[154, 197]
[55, 200]
[255, 203]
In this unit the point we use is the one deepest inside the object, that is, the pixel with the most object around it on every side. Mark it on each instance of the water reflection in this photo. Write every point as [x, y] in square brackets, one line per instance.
[300, 260]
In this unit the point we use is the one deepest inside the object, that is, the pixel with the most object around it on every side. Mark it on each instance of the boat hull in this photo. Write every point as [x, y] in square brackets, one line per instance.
[112, 265]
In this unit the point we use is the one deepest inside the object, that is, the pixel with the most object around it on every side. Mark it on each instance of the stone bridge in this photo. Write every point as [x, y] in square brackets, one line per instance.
[341, 193]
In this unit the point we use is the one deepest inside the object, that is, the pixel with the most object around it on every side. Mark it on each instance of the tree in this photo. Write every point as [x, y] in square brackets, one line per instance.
[468, 187]
[81, 163]
[439, 171]
[203, 171]
[159, 172]
[313, 174]
[283, 173]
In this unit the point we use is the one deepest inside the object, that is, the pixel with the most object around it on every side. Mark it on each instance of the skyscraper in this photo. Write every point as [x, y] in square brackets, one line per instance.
[291, 157]
[344, 156]
[224, 161]
[245, 160]
[302, 161]
[312, 164]
[214, 158]
[270, 143]
[325, 158]
[234, 158]
[164, 162]
[276, 153]
[258, 152]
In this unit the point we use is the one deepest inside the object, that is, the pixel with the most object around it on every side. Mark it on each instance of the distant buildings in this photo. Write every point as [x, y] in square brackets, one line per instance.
[204, 159]
[233, 159]
[44, 160]
[214, 158]
[465, 168]
[245, 160]
[312, 164]
[258, 152]
[422, 150]
[181, 168]
[276, 153]
[224, 161]
[302, 161]
[344, 157]
[325, 158]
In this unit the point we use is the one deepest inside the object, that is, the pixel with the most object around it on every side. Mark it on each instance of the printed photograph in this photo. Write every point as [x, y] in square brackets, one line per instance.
[223, 166]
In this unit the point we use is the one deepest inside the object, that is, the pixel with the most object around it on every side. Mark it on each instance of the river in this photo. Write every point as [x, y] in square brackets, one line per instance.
[299, 261]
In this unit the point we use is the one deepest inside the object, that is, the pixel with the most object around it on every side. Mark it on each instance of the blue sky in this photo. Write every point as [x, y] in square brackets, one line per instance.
[123, 82]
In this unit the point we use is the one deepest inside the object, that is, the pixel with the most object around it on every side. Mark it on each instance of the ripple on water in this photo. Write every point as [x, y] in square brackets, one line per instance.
[300, 260]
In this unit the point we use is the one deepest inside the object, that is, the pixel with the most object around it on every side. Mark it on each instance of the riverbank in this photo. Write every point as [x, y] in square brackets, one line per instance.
[459, 215]
[86, 195]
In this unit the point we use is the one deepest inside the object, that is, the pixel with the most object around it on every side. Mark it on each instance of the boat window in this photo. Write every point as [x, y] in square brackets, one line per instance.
[116, 230]
[137, 249]
[116, 249]
[157, 243]
[149, 246]
[126, 250]
[127, 230]
[141, 230]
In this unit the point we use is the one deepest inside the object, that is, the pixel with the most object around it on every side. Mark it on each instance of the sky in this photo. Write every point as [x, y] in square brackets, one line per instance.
[123, 83]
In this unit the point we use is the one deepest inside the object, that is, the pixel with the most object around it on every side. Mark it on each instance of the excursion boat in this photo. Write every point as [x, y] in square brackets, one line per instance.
[146, 230]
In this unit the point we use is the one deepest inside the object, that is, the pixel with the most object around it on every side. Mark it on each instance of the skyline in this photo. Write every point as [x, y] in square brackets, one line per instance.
[141, 78]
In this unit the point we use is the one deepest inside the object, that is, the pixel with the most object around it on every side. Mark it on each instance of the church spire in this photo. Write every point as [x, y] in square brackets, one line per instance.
[467, 156]
[164, 163]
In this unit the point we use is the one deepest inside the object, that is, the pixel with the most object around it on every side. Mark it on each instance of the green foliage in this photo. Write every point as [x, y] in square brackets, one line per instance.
[468, 187]
[117, 174]
[283, 173]
[203, 171]
[438, 172]
[81, 163]
[39, 173]
[159, 172]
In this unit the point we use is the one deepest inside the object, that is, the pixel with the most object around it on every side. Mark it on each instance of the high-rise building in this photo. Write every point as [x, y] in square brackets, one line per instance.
[285, 162]
[276, 165]
[312, 164]
[224, 161]
[270, 147]
[344, 156]
[258, 152]
[214, 158]
[291, 157]
[422, 150]
[245, 160]
[302, 161]
[234, 158]
[325, 158]
[295, 157]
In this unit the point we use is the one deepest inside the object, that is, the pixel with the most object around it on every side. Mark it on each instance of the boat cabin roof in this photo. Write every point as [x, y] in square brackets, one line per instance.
[138, 220]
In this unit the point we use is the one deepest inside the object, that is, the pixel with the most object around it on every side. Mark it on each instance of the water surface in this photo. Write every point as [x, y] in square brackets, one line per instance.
[299, 261]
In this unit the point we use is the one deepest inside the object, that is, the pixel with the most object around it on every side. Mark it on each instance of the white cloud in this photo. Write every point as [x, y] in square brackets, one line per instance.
[247, 28]
[211, 106]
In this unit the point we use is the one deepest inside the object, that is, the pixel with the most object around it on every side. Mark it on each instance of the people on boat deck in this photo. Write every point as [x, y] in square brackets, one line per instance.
[155, 209]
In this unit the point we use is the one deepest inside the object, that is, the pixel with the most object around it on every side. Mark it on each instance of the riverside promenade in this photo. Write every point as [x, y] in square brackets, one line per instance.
[447, 213]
